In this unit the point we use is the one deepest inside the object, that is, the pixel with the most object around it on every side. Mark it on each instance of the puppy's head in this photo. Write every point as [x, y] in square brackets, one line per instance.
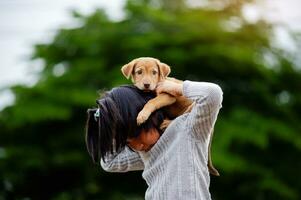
[146, 72]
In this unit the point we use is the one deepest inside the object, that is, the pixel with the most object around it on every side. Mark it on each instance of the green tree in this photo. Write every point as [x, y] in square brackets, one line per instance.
[257, 140]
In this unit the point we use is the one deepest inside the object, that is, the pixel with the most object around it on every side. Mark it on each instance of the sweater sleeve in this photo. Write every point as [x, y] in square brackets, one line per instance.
[208, 98]
[125, 161]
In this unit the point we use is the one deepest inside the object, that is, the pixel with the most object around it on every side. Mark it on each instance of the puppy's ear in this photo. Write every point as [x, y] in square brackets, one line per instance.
[128, 69]
[164, 69]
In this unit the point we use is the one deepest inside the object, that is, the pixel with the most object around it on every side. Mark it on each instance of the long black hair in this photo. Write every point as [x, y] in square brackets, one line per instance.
[109, 125]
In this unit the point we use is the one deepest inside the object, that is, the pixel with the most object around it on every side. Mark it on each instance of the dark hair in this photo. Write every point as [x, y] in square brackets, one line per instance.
[118, 110]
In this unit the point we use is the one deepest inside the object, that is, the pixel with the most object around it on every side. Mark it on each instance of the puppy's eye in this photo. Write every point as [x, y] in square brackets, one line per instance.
[139, 72]
[155, 72]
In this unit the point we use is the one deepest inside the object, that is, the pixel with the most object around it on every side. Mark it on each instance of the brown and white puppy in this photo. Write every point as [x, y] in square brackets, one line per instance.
[146, 73]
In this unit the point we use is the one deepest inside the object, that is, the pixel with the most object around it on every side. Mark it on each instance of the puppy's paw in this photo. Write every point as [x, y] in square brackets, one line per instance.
[142, 117]
[165, 124]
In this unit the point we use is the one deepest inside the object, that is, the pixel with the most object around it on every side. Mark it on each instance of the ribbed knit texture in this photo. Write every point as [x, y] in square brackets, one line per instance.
[176, 166]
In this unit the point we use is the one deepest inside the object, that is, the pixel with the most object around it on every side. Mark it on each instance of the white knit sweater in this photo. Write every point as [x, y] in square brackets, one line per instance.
[176, 166]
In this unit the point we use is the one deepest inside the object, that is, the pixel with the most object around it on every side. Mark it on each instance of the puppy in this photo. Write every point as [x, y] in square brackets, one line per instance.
[146, 73]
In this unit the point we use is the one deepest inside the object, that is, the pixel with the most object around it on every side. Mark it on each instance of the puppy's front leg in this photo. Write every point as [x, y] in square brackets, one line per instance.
[163, 99]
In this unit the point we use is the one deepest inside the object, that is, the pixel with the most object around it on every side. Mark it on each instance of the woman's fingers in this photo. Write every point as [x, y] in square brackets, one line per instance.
[168, 87]
[163, 86]
[159, 88]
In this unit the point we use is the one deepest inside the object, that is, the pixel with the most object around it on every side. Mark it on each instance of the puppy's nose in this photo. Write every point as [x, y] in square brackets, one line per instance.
[146, 86]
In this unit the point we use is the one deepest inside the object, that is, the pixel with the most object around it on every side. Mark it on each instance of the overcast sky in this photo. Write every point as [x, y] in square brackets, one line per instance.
[26, 22]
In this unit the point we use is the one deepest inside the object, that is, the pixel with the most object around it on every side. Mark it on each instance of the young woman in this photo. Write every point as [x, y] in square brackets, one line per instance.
[174, 163]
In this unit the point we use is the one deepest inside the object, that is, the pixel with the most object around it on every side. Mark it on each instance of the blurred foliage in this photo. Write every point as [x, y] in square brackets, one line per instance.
[257, 141]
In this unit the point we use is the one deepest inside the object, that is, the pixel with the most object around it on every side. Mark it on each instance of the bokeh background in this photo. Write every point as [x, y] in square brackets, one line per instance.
[234, 43]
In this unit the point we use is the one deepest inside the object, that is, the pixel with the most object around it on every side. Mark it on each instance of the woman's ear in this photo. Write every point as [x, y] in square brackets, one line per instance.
[164, 70]
[128, 69]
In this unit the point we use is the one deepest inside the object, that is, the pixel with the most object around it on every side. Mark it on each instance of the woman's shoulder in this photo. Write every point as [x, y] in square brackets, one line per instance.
[177, 125]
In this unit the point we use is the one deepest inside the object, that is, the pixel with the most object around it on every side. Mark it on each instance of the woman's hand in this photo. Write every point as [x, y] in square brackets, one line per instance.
[170, 87]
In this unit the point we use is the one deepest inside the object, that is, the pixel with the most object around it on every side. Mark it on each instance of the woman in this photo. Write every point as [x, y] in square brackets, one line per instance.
[174, 163]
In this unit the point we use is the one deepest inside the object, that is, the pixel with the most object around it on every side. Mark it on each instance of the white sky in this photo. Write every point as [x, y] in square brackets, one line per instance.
[26, 22]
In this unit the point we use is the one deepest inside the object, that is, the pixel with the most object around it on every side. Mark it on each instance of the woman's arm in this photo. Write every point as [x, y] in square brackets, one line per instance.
[207, 98]
[125, 161]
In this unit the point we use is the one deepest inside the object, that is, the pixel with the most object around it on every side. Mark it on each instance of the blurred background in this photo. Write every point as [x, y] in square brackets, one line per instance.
[55, 57]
